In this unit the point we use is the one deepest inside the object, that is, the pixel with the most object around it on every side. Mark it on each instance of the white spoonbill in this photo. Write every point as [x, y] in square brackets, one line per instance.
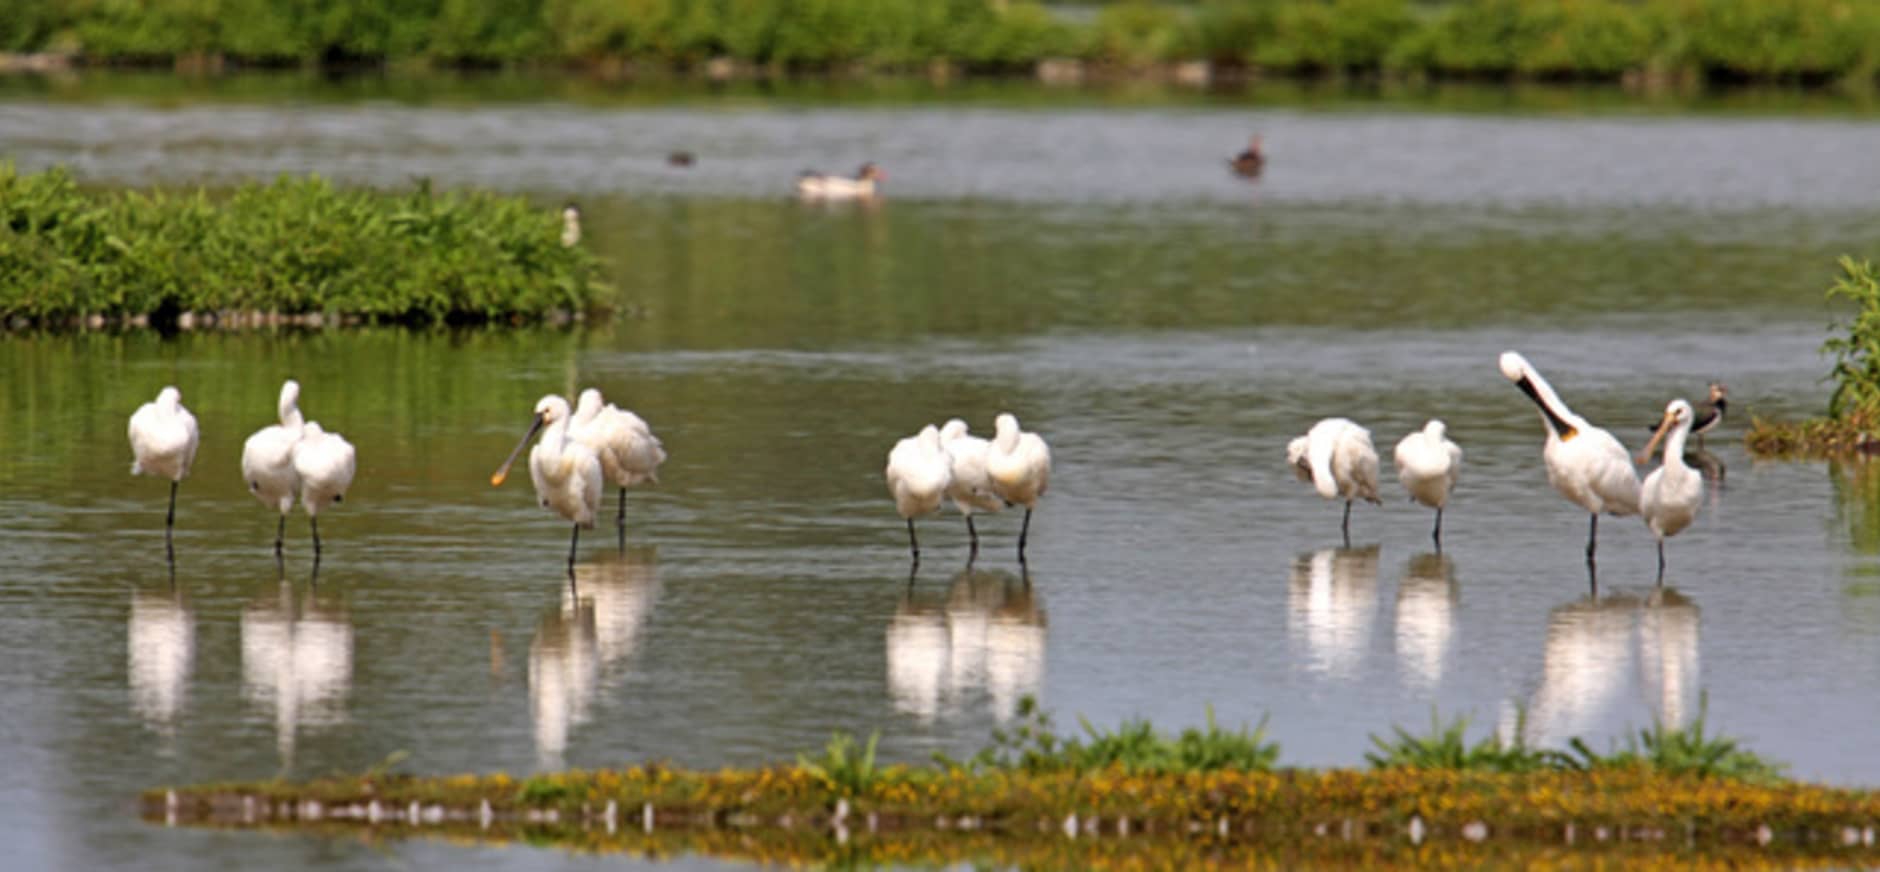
[817, 186]
[1671, 493]
[971, 490]
[1336, 456]
[1427, 464]
[629, 452]
[1586, 464]
[268, 459]
[325, 463]
[163, 443]
[1019, 464]
[918, 474]
[566, 473]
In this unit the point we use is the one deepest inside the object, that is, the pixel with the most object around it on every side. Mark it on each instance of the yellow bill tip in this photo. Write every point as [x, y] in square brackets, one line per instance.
[497, 479]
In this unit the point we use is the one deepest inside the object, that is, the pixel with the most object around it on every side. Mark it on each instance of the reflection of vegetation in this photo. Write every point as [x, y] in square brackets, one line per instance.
[1724, 39]
[1854, 408]
[1135, 747]
[293, 246]
[1856, 483]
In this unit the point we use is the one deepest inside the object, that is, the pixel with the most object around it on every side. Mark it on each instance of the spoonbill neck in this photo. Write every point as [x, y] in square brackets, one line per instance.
[1560, 419]
[1674, 444]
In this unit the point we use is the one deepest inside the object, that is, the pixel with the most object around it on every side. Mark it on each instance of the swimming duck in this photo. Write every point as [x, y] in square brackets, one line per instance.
[818, 186]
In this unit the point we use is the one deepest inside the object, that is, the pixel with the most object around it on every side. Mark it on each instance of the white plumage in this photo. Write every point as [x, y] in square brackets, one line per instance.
[324, 463]
[630, 454]
[818, 186]
[971, 488]
[268, 459]
[1670, 496]
[918, 473]
[163, 438]
[1019, 464]
[1586, 464]
[566, 473]
[570, 226]
[1337, 457]
[1427, 464]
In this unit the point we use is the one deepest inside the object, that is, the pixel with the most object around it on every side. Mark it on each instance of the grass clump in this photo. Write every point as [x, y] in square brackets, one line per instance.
[1854, 406]
[1446, 747]
[845, 770]
[295, 245]
[1136, 747]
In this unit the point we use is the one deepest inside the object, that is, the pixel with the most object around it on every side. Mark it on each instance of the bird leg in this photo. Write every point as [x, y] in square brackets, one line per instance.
[280, 531]
[1346, 527]
[620, 520]
[572, 544]
[169, 520]
[1661, 562]
[974, 534]
[1592, 538]
[169, 524]
[913, 543]
[1023, 530]
[315, 523]
[1437, 534]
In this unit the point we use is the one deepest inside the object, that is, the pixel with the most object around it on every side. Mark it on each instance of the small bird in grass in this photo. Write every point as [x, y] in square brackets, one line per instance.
[971, 489]
[163, 438]
[1019, 464]
[1668, 499]
[570, 226]
[1586, 464]
[1337, 457]
[325, 463]
[1427, 464]
[918, 473]
[566, 473]
[813, 185]
[268, 459]
[1249, 162]
[630, 454]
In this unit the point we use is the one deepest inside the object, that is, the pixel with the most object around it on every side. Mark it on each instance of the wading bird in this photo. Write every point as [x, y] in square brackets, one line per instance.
[1250, 162]
[566, 473]
[1671, 493]
[1337, 458]
[163, 443]
[629, 452]
[814, 185]
[1586, 464]
[1019, 464]
[325, 463]
[1427, 464]
[971, 489]
[918, 474]
[1712, 416]
[268, 459]
[570, 226]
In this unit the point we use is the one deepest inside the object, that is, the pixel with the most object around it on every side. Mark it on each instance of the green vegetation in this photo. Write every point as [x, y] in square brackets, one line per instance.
[293, 247]
[1445, 748]
[1788, 40]
[843, 769]
[1853, 416]
[1135, 747]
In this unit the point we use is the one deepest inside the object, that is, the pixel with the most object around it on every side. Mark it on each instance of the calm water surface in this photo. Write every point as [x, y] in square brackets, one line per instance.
[1166, 327]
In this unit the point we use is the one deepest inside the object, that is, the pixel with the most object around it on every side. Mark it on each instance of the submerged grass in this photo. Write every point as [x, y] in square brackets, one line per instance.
[1853, 419]
[293, 246]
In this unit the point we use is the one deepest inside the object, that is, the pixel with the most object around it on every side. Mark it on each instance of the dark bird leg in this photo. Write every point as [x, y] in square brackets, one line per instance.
[620, 521]
[1592, 538]
[280, 530]
[1661, 562]
[315, 523]
[1437, 534]
[573, 543]
[913, 543]
[1023, 531]
[974, 535]
[169, 524]
[1346, 526]
[1592, 580]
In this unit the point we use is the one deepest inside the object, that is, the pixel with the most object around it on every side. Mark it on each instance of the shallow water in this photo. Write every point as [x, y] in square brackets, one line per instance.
[1165, 326]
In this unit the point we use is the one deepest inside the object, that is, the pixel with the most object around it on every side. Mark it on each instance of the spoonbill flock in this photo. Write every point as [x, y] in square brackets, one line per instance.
[584, 448]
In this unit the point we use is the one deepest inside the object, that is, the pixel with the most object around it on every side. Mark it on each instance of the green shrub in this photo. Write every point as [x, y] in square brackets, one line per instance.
[1856, 372]
[842, 768]
[1136, 33]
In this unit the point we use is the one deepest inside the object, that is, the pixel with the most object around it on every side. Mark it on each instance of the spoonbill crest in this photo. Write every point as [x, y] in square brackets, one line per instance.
[629, 452]
[918, 474]
[268, 459]
[1669, 499]
[1336, 456]
[971, 490]
[163, 443]
[1019, 464]
[324, 463]
[1427, 464]
[566, 473]
[1586, 464]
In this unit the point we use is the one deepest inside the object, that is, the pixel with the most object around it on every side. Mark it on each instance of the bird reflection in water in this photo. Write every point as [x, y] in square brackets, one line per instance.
[1596, 647]
[297, 657]
[162, 655]
[1332, 601]
[1426, 605]
[987, 634]
[585, 644]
